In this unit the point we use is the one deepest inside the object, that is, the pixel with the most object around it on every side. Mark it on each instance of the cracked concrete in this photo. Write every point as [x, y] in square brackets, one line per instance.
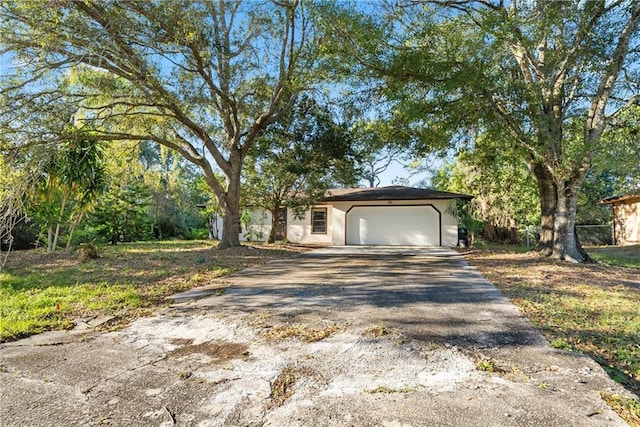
[406, 329]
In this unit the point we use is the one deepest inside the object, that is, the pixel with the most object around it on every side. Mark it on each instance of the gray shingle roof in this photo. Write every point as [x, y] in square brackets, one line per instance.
[392, 192]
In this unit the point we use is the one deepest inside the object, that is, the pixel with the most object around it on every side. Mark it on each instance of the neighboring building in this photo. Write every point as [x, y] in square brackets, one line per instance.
[626, 218]
[392, 215]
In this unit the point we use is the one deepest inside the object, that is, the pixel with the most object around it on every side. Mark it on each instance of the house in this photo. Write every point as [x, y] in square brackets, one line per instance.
[393, 215]
[626, 218]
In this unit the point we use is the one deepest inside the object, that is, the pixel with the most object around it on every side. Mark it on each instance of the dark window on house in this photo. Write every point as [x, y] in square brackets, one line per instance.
[319, 220]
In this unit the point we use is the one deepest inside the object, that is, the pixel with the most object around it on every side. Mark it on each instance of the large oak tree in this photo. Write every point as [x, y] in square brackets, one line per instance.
[202, 78]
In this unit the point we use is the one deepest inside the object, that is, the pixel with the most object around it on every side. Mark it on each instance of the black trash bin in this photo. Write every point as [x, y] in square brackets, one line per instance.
[463, 237]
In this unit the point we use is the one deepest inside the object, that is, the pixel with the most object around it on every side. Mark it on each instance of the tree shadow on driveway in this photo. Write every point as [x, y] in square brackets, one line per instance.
[430, 294]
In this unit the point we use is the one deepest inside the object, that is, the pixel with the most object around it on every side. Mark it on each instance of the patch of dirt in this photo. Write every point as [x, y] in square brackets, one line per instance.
[220, 351]
[38, 258]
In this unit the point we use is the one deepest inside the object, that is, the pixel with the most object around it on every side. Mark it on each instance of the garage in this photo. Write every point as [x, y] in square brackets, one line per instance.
[393, 225]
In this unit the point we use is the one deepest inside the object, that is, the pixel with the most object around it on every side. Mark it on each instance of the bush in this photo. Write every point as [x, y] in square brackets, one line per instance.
[198, 234]
[25, 236]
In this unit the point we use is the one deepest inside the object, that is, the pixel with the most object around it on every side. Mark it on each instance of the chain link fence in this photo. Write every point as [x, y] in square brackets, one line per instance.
[588, 235]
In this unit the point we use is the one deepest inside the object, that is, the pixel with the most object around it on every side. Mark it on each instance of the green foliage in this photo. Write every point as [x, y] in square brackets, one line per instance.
[597, 186]
[122, 213]
[149, 193]
[185, 75]
[68, 183]
[505, 194]
[378, 143]
[298, 159]
[175, 190]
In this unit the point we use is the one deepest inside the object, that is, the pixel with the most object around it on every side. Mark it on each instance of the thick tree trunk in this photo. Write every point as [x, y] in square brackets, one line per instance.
[231, 213]
[558, 203]
[548, 201]
[566, 245]
[230, 227]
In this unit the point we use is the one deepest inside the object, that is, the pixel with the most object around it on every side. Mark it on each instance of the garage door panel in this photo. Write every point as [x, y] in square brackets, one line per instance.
[393, 225]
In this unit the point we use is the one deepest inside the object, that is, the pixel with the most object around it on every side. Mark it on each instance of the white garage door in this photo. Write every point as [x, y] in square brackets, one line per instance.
[393, 225]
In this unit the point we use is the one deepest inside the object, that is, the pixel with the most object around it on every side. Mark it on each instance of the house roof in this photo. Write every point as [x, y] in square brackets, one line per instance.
[620, 198]
[392, 192]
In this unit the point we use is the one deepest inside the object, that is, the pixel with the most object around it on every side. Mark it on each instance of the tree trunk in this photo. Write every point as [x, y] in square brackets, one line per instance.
[566, 245]
[514, 237]
[231, 212]
[50, 238]
[548, 201]
[65, 198]
[73, 229]
[275, 220]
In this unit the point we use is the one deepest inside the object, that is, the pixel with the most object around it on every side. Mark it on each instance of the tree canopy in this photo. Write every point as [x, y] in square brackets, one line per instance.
[297, 159]
[202, 78]
[547, 78]
[551, 85]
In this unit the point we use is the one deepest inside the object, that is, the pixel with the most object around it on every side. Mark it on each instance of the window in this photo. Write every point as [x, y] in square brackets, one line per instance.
[319, 220]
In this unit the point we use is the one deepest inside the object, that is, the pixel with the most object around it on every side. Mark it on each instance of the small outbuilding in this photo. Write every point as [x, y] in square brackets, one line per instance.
[626, 218]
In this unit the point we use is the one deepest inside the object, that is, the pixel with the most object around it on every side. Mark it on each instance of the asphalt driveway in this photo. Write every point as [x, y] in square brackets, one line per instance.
[338, 336]
[427, 293]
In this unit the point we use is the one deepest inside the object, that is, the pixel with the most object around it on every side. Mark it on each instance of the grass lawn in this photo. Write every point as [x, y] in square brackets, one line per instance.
[41, 292]
[623, 256]
[592, 309]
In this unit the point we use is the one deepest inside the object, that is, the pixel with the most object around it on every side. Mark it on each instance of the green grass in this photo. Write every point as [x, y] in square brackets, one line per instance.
[602, 323]
[590, 309]
[622, 256]
[628, 409]
[40, 292]
[47, 306]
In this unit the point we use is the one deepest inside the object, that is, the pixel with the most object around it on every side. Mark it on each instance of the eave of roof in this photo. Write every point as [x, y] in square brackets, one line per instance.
[619, 198]
[393, 192]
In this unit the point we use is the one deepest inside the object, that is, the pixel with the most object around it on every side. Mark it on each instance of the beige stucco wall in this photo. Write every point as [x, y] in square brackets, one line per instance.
[626, 217]
[299, 230]
[259, 226]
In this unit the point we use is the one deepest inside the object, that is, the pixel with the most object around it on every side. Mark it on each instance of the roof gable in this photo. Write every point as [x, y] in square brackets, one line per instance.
[629, 198]
[392, 192]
